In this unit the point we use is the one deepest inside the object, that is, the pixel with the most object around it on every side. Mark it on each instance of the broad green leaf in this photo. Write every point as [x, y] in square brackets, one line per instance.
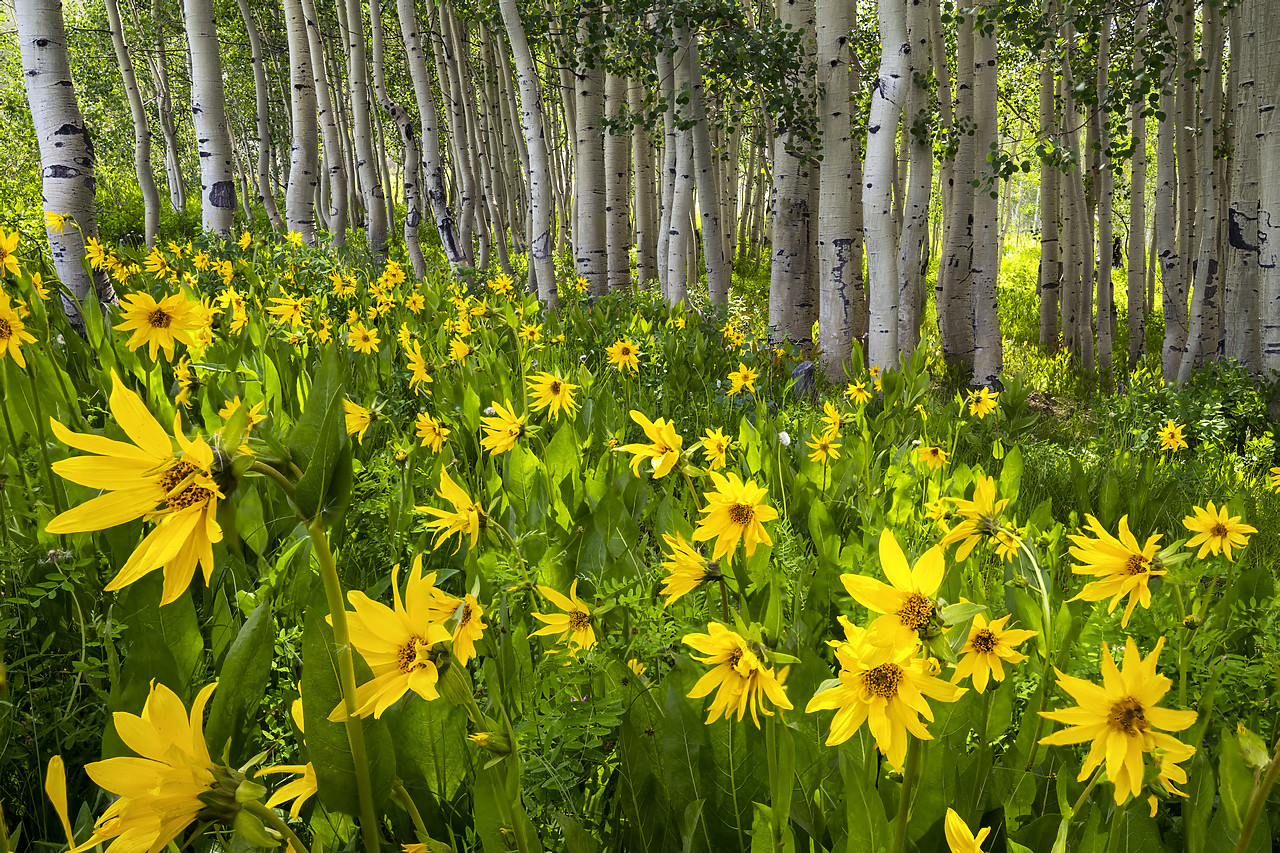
[241, 686]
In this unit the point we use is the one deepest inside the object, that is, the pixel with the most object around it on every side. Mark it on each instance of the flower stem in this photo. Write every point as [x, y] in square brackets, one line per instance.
[347, 682]
[910, 776]
[412, 808]
[1093, 783]
[273, 820]
[1117, 826]
[13, 442]
[44, 445]
[260, 467]
[1259, 799]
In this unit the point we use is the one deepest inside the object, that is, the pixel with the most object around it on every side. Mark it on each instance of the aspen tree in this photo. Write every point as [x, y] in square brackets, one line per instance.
[913, 242]
[209, 115]
[299, 198]
[1136, 267]
[988, 351]
[66, 153]
[262, 124]
[836, 226]
[141, 127]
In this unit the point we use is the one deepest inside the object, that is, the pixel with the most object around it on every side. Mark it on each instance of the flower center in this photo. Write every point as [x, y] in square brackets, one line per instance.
[413, 655]
[1219, 531]
[916, 612]
[159, 319]
[983, 641]
[6, 331]
[190, 496]
[625, 351]
[555, 387]
[1127, 716]
[175, 474]
[741, 514]
[734, 657]
[883, 681]
[1136, 565]
[579, 620]
[465, 618]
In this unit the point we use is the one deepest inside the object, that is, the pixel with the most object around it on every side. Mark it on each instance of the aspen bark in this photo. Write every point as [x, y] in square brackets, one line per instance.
[590, 241]
[262, 109]
[1136, 267]
[709, 195]
[428, 121]
[1240, 306]
[164, 112]
[836, 225]
[66, 152]
[413, 204]
[209, 115]
[334, 161]
[646, 225]
[541, 265]
[1204, 331]
[679, 268]
[141, 127]
[303, 179]
[955, 275]
[1050, 174]
[1266, 67]
[1105, 190]
[617, 175]
[371, 189]
[793, 278]
[1176, 318]
[665, 62]
[912, 254]
[988, 351]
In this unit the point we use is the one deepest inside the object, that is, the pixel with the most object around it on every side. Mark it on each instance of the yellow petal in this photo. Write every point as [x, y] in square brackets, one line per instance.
[55, 786]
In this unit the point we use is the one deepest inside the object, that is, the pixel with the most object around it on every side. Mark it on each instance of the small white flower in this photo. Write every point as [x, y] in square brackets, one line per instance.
[489, 411]
[784, 439]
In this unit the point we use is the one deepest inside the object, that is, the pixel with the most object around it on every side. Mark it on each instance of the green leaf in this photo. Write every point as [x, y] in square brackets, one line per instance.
[241, 686]
[1236, 782]
[320, 440]
[327, 743]
[867, 826]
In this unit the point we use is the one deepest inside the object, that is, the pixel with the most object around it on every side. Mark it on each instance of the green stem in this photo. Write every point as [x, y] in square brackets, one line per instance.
[910, 776]
[412, 808]
[1182, 649]
[1093, 783]
[4, 833]
[724, 601]
[270, 818]
[1117, 825]
[984, 756]
[13, 442]
[260, 467]
[44, 444]
[1259, 799]
[347, 682]
[524, 568]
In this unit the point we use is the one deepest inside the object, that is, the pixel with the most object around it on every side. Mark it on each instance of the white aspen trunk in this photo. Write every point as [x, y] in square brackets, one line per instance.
[1177, 320]
[209, 116]
[384, 172]
[1266, 68]
[836, 226]
[1240, 306]
[446, 61]
[793, 279]
[1204, 332]
[304, 163]
[1050, 175]
[1164, 238]
[335, 170]
[877, 186]
[665, 63]
[617, 179]
[66, 152]
[730, 181]
[159, 64]
[709, 195]
[412, 196]
[748, 198]
[955, 274]
[1070, 249]
[428, 118]
[1137, 258]
[643, 191]
[1105, 189]
[590, 241]
[912, 254]
[141, 128]
[679, 237]
[988, 350]
[375, 215]
[541, 264]
[242, 173]
[262, 106]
